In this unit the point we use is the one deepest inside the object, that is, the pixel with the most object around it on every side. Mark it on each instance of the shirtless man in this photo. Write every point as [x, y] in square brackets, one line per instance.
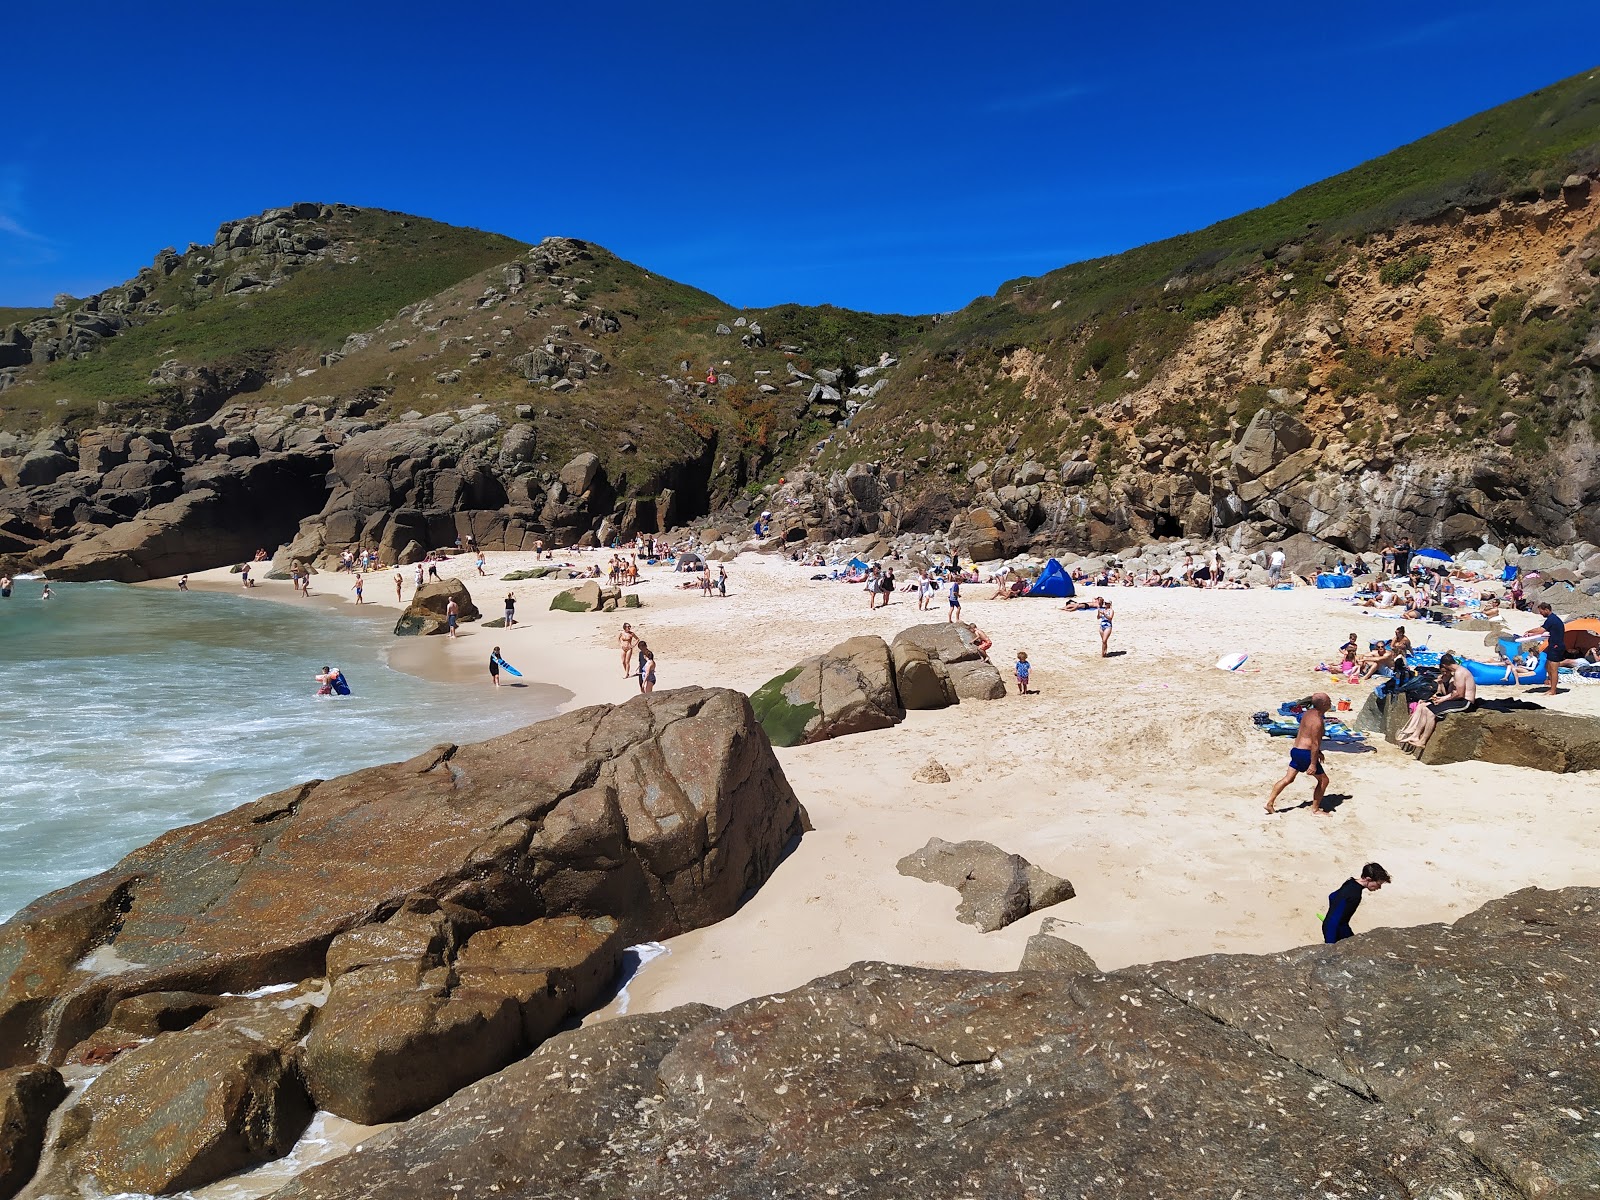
[1399, 647]
[1306, 754]
[627, 640]
[1458, 690]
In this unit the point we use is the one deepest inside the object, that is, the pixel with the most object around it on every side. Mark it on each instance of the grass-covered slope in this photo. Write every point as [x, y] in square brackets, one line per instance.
[1100, 331]
[374, 262]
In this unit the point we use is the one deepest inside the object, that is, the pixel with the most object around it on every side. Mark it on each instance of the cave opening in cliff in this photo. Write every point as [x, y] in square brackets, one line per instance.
[1166, 526]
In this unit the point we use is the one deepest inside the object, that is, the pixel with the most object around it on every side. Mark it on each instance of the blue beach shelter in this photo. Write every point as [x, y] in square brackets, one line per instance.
[1053, 581]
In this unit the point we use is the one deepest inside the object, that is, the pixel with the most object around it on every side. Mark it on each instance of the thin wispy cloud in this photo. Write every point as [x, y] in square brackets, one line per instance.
[1420, 35]
[1025, 102]
[12, 178]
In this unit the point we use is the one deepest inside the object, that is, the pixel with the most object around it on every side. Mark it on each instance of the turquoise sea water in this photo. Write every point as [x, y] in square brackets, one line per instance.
[125, 712]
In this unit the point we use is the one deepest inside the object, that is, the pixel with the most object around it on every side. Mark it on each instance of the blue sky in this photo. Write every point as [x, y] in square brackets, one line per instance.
[882, 156]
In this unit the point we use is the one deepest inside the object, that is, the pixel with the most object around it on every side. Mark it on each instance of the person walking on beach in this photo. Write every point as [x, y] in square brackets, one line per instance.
[647, 667]
[722, 582]
[1305, 756]
[1275, 563]
[419, 574]
[1343, 902]
[1106, 615]
[244, 574]
[399, 582]
[481, 560]
[452, 612]
[1023, 670]
[955, 601]
[494, 665]
[511, 610]
[183, 585]
[628, 640]
[359, 588]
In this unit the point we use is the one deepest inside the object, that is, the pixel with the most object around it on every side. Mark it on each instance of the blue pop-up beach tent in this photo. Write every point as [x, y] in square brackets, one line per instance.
[1053, 581]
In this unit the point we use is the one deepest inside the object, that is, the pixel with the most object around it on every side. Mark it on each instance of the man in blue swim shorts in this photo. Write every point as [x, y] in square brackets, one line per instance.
[1305, 757]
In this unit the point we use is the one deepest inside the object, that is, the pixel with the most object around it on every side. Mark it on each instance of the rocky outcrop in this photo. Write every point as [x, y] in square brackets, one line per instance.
[1047, 950]
[593, 596]
[850, 689]
[996, 888]
[27, 1096]
[427, 614]
[1322, 1070]
[939, 664]
[1520, 736]
[432, 893]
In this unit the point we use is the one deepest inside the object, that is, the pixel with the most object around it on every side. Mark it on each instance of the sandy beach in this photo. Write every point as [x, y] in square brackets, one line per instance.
[1139, 777]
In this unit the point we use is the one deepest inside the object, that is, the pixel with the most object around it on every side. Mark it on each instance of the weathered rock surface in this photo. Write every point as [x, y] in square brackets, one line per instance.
[996, 888]
[426, 614]
[850, 689]
[1432, 1062]
[1522, 737]
[27, 1096]
[660, 813]
[1047, 950]
[591, 596]
[939, 664]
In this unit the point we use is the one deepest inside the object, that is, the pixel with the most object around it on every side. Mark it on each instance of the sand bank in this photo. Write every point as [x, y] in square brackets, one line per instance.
[1138, 777]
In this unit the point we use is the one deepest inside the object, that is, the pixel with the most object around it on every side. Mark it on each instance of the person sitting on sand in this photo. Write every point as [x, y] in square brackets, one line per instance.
[1397, 648]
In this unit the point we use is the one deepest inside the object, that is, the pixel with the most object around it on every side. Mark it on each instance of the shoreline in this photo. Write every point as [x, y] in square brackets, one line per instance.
[1140, 777]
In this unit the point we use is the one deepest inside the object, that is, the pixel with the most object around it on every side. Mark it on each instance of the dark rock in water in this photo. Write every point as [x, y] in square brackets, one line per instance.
[1047, 950]
[660, 813]
[426, 615]
[850, 689]
[996, 888]
[1523, 736]
[1439, 1061]
[188, 1108]
[27, 1096]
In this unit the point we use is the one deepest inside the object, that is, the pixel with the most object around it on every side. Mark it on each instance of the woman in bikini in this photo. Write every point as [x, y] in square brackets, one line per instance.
[1106, 616]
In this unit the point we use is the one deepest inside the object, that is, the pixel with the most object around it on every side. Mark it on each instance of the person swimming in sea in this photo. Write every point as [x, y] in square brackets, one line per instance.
[333, 682]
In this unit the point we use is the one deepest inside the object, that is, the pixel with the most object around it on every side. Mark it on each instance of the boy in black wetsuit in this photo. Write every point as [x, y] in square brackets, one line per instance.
[1343, 903]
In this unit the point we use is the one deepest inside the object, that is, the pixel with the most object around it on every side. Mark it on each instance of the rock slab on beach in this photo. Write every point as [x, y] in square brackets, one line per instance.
[426, 614]
[1521, 737]
[939, 664]
[1442, 1061]
[850, 689]
[463, 903]
[996, 888]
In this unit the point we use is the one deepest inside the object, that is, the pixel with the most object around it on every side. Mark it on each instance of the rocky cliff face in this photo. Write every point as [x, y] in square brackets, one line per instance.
[1436, 379]
[1441, 1061]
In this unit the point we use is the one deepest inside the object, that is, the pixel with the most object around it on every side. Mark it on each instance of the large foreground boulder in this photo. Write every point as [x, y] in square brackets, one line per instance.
[1444, 1061]
[426, 614]
[996, 888]
[1522, 736]
[937, 665]
[661, 813]
[850, 689]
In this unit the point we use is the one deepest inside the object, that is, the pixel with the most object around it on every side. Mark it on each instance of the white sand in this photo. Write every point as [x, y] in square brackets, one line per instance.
[1140, 778]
